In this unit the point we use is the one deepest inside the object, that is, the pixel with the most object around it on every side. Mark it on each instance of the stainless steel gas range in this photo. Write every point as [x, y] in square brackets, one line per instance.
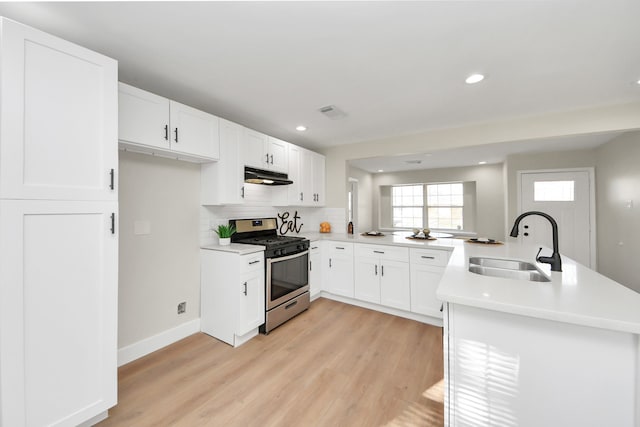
[286, 271]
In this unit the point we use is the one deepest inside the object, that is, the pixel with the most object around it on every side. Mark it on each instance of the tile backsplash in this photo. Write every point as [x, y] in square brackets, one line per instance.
[309, 218]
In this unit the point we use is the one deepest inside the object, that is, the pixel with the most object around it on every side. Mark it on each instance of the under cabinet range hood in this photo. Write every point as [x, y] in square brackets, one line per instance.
[261, 176]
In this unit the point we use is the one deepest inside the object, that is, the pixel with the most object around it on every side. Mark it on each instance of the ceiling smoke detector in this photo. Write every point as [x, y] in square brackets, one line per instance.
[332, 112]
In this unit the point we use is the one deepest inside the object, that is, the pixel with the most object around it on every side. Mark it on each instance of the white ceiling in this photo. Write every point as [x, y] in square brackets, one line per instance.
[471, 156]
[395, 68]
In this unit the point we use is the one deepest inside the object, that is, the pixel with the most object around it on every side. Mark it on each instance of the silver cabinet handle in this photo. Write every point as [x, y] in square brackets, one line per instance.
[272, 159]
[245, 288]
[112, 185]
[310, 266]
[329, 262]
[242, 192]
[382, 270]
[254, 262]
[314, 247]
[301, 196]
[378, 252]
[428, 257]
[339, 247]
[176, 135]
[376, 269]
[267, 158]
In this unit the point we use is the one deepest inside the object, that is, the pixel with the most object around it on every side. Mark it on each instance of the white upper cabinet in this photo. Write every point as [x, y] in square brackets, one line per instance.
[59, 112]
[152, 124]
[306, 170]
[265, 152]
[143, 117]
[193, 131]
[222, 182]
[277, 151]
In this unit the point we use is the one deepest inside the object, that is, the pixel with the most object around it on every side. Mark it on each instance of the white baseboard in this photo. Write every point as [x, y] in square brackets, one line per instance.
[149, 345]
[400, 313]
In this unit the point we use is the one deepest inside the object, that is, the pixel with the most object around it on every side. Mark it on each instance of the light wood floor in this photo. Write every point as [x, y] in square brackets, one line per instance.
[334, 365]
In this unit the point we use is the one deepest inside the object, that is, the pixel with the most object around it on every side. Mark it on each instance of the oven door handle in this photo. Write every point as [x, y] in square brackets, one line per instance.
[288, 257]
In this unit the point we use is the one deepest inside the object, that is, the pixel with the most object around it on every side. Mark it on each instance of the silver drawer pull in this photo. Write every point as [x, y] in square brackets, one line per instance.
[254, 262]
[314, 247]
[378, 252]
[339, 247]
[428, 257]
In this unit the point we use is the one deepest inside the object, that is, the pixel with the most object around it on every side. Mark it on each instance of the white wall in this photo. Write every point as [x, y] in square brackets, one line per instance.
[160, 269]
[604, 119]
[618, 184]
[489, 192]
[364, 221]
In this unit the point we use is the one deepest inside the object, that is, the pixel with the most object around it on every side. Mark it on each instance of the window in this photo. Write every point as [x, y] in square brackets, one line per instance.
[407, 205]
[437, 206]
[553, 191]
[445, 203]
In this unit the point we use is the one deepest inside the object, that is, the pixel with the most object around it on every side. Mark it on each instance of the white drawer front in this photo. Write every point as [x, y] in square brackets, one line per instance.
[253, 262]
[429, 257]
[340, 248]
[383, 252]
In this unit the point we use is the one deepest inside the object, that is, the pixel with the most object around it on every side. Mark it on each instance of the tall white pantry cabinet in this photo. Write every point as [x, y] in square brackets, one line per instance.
[58, 230]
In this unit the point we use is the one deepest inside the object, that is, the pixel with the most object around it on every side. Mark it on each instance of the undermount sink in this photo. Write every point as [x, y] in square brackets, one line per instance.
[506, 268]
[508, 264]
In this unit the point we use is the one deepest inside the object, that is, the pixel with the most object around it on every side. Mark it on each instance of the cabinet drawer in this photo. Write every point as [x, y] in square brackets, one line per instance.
[383, 252]
[252, 262]
[430, 257]
[340, 248]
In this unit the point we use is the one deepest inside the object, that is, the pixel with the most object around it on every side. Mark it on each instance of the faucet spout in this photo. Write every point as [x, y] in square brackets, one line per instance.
[554, 260]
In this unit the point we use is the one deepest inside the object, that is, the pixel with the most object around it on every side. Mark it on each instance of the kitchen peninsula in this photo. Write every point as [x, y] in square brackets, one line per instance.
[562, 352]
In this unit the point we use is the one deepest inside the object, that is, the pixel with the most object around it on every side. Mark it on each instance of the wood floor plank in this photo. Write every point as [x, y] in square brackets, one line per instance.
[333, 365]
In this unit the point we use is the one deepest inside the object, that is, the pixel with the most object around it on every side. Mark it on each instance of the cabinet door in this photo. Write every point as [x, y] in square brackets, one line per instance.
[59, 109]
[307, 179]
[222, 182]
[367, 279]
[315, 269]
[143, 117]
[251, 302]
[340, 276]
[394, 284]
[424, 283]
[296, 175]
[58, 311]
[254, 144]
[277, 150]
[193, 132]
[318, 179]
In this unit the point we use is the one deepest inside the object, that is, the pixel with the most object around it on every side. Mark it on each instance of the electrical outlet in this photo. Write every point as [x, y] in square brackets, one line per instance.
[182, 307]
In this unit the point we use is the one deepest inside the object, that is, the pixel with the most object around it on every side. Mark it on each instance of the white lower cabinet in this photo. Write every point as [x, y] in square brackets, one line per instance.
[232, 295]
[427, 268]
[339, 272]
[315, 268]
[555, 374]
[58, 311]
[382, 275]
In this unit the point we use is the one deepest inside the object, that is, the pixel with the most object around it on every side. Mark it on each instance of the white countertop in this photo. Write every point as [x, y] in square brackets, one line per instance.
[236, 248]
[577, 295]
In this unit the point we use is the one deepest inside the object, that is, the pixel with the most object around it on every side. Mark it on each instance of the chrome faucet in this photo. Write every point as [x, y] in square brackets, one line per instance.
[554, 260]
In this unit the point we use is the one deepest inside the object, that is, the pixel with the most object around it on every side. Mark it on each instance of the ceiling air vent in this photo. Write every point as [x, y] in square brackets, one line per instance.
[332, 112]
[413, 162]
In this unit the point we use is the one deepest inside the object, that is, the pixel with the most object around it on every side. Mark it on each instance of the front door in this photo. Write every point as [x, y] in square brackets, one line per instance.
[568, 197]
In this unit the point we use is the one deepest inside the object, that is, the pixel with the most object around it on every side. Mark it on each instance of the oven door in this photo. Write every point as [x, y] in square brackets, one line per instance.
[287, 277]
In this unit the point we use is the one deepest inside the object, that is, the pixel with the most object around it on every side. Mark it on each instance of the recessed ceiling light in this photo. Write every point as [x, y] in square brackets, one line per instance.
[380, 170]
[301, 128]
[474, 78]
[638, 82]
[482, 163]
